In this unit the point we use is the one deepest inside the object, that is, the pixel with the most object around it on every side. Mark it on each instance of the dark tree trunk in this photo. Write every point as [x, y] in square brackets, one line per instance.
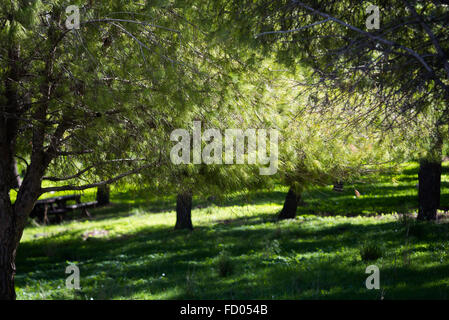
[429, 176]
[8, 246]
[103, 195]
[13, 218]
[290, 205]
[184, 211]
[7, 270]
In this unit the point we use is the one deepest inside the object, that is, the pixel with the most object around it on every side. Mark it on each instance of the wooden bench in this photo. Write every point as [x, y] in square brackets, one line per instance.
[58, 206]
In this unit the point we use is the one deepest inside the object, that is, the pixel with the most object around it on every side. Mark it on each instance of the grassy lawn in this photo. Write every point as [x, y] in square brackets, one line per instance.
[239, 251]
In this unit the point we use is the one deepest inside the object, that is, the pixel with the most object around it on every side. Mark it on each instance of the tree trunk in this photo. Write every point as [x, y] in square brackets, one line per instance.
[290, 205]
[103, 195]
[184, 211]
[8, 246]
[7, 270]
[13, 218]
[429, 176]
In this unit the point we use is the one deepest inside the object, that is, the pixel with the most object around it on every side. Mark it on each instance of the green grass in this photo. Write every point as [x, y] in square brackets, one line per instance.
[239, 251]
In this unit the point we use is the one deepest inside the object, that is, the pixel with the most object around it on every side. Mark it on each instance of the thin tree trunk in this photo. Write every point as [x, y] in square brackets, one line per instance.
[103, 195]
[429, 176]
[290, 205]
[184, 211]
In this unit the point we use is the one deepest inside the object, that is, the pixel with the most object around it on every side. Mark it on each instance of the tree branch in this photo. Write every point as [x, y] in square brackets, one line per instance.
[81, 172]
[293, 30]
[97, 184]
[434, 40]
[379, 39]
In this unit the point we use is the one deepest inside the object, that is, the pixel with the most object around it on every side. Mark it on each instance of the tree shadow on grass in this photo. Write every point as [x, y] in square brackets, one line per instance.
[297, 259]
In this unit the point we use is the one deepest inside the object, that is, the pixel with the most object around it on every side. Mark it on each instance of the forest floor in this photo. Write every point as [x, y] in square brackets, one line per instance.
[238, 250]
